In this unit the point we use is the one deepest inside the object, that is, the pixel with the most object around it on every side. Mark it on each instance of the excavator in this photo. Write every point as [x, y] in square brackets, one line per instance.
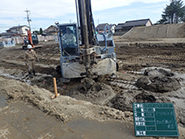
[32, 40]
[84, 52]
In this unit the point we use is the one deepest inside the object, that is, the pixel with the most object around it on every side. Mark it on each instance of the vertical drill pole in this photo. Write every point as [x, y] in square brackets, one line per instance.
[84, 33]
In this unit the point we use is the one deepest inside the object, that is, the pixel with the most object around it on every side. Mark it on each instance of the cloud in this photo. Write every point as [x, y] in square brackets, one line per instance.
[41, 11]
[55, 8]
[106, 4]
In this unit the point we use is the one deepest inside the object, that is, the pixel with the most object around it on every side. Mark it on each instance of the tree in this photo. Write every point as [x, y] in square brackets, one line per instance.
[41, 31]
[173, 13]
[36, 31]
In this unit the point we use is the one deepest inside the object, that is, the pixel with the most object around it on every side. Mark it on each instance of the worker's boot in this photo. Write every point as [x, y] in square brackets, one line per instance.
[29, 73]
[33, 72]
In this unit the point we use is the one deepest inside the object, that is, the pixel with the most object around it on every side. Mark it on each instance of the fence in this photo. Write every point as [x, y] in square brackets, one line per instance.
[6, 42]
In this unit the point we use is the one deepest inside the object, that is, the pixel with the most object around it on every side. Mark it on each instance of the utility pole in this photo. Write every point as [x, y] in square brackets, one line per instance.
[28, 19]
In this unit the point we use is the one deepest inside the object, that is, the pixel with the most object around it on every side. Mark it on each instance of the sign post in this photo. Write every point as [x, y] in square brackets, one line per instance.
[155, 119]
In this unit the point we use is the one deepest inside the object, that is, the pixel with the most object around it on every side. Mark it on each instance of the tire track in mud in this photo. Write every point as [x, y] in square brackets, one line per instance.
[123, 84]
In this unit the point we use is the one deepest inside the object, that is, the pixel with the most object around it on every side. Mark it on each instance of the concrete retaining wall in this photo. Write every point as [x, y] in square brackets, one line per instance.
[157, 31]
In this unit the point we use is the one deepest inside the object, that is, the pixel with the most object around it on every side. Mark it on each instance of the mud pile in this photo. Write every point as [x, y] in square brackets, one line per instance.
[157, 85]
[95, 92]
[123, 101]
[158, 80]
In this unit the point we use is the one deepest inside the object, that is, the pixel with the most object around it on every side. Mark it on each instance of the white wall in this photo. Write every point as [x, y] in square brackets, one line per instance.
[148, 24]
[23, 30]
[20, 40]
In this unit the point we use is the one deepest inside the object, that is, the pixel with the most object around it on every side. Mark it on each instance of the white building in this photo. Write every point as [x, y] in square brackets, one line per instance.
[16, 31]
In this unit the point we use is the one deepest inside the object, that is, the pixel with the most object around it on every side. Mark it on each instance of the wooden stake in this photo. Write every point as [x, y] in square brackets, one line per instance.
[55, 88]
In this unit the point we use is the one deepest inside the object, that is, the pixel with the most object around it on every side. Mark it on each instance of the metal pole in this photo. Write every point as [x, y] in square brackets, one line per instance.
[80, 16]
[77, 13]
[85, 35]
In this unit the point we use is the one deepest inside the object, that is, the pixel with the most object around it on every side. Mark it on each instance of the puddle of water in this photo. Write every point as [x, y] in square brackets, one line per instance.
[3, 101]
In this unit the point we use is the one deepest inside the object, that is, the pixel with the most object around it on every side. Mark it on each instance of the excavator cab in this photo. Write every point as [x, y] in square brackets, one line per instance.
[34, 38]
[68, 39]
[71, 53]
[83, 53]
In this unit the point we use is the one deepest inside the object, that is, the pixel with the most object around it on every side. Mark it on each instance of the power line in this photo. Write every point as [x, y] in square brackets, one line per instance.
[28, 11]
[11, 10]
[43, 15]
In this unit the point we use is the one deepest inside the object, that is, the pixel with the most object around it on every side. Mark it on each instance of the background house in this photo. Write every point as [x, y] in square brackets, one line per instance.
[122, 28]
[100, 27]
[51, 30]
[15, 35]
[16, 31]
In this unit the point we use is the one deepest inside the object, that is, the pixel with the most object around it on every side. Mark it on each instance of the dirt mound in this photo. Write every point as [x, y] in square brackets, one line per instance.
[158, 80]
[157, 84]
[64, 108]
[123, 101]
[145, 98]
[89, 90]
[157, 31]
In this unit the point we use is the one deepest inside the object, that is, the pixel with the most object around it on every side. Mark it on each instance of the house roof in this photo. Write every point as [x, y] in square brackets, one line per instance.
[132, 23]
[51, 26]
[101, 26]
[111, 25]
[15, 27]
[7, 34]
[136, 23]
[48, 31]
[119, 26]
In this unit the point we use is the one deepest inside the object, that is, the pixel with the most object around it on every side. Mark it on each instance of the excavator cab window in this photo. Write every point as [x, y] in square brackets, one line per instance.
[69, 41]
[34, 39]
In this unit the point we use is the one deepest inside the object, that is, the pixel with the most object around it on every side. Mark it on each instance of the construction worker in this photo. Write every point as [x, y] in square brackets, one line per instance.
[69, 38]
[30, 57]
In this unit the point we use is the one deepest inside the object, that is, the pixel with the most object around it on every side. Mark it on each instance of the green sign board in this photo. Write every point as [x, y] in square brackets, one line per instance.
[155, 119]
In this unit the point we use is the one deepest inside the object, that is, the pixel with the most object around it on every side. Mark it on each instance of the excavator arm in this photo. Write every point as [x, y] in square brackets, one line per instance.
[30, 38]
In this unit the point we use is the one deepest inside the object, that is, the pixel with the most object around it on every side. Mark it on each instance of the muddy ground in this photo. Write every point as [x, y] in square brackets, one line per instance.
[136, 60]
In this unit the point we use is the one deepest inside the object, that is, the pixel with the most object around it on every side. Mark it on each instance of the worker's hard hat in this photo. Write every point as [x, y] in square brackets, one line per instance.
[29, 46]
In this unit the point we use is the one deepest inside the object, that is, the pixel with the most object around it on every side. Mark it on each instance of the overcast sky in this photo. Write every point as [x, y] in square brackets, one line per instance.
[44, 13]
